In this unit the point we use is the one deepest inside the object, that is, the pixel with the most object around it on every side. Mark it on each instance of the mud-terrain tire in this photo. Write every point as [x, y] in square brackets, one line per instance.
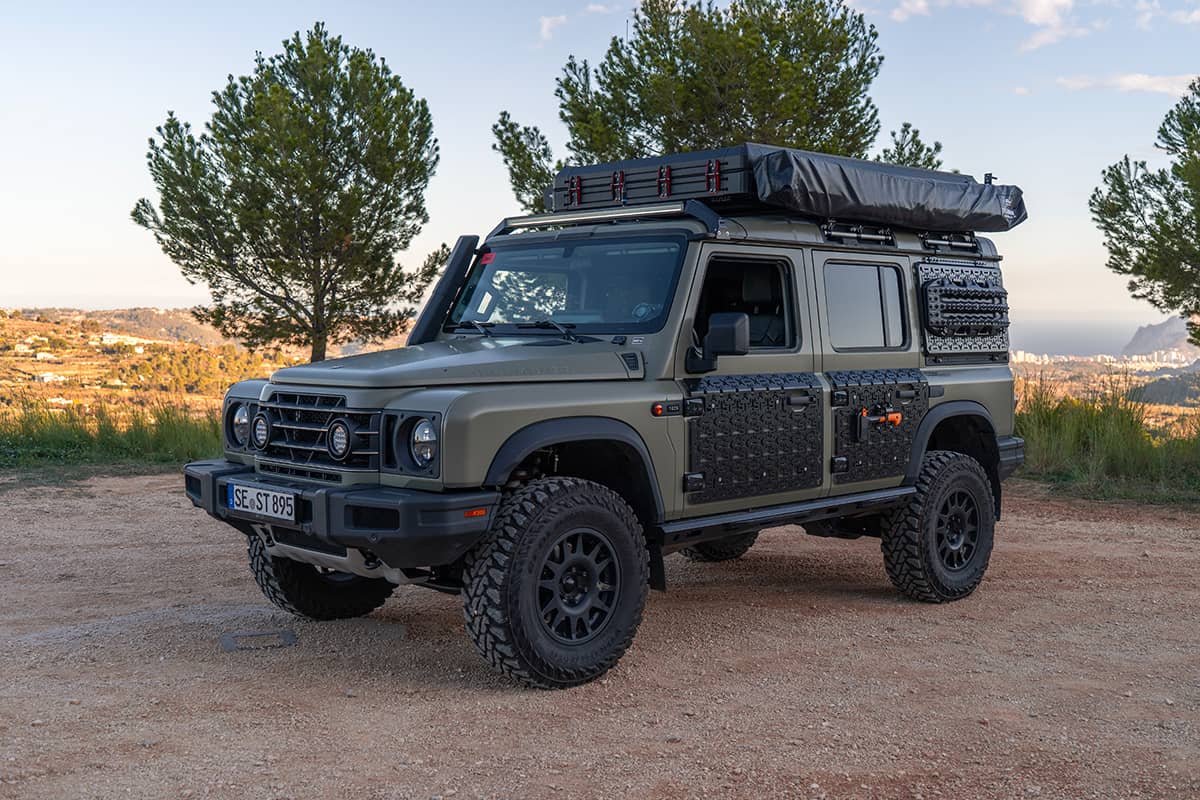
[938, 545]
[305, 591]
[554, 595]
[720, 549]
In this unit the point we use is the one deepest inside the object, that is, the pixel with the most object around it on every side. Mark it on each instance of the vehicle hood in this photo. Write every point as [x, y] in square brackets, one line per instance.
[475, 359]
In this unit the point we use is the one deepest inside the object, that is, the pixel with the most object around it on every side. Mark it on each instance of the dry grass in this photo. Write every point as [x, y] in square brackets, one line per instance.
[1104, 445]
[35, 435]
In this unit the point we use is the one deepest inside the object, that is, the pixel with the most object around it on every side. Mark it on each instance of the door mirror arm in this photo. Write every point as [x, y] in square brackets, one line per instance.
[728, 335]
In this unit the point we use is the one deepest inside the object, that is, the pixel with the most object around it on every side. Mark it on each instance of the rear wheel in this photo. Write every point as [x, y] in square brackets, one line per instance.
[308, 591]
[847, 528]
[938, 546]
[554, 595]
[722, 549]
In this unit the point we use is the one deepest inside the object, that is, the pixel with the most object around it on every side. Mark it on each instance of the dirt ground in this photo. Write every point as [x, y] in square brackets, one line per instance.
[795, 672]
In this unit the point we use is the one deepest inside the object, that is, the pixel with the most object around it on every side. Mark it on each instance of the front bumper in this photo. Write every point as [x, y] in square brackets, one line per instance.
[404, 528]
[1012, 454]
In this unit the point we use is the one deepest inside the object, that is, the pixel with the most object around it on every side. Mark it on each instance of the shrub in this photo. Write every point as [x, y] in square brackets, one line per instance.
[1103, 443]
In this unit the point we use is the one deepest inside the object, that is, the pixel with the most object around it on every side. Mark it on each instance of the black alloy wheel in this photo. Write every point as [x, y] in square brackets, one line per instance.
[957, 530]
[579, 585]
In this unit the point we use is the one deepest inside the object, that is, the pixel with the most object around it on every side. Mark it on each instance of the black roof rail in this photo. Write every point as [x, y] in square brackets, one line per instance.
[685, 208]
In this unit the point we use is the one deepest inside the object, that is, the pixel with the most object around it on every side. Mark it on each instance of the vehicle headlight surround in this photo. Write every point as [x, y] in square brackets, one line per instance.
[260, 432]
[239, 424]
[423, 443]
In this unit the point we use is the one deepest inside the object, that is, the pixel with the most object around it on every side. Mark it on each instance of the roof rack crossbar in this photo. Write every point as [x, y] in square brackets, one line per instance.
[686, 208]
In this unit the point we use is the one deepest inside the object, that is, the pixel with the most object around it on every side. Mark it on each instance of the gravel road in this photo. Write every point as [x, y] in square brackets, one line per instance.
[795, 672]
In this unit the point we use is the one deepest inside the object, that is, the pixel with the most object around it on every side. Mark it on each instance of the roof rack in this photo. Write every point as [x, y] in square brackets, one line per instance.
[685, 208]
[755, 178]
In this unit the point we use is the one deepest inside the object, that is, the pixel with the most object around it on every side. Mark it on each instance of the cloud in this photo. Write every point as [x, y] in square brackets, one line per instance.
[1147, 10]
[1187, 17]
[1053, 35]
[1053, 20]
[910, 8]
[600, 8]
[1021, 90]
[1044, 13]
[548, 24]
[1175, 85]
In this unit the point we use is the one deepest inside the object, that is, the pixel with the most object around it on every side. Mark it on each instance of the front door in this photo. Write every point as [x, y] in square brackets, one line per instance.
[755, 427]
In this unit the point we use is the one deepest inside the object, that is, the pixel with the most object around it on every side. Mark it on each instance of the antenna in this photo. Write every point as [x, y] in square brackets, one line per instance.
[988, 178]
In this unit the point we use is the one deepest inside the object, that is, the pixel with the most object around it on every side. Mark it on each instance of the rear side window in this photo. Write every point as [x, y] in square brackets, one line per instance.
[865, 303]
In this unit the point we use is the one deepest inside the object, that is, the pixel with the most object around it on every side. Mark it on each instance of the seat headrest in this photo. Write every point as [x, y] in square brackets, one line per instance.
[758, 286]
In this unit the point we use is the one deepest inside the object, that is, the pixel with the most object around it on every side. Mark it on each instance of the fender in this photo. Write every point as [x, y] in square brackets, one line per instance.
[936, 415]
[549, 432]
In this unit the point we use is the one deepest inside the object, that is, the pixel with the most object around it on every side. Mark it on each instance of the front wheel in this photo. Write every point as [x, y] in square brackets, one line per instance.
[938, 546]
[554, 595]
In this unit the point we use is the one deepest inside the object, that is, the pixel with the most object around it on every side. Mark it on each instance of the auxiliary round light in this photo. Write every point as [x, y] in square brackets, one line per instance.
[339, 440]
[241, 425]
[424, 443]
[260, 432]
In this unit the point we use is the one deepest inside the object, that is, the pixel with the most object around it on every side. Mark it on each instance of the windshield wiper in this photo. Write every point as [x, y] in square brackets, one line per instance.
[482, 327]
[548, 324]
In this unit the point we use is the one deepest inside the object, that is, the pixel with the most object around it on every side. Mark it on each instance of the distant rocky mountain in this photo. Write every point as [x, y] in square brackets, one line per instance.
[1169, 335]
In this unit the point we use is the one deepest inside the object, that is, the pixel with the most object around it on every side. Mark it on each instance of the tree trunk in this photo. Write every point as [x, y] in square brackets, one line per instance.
[318, 347]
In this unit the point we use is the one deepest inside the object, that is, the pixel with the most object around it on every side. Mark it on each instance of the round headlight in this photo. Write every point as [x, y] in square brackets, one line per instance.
[260, 432]
[424, 443]
[339, 440]
[240, 428]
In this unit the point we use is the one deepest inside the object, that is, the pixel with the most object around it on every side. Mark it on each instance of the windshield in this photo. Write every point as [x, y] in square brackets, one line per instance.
[590, 286]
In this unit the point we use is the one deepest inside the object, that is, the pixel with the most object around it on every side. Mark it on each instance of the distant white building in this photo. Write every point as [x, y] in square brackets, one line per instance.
[44, 356]
[21, 347]
[50, 377]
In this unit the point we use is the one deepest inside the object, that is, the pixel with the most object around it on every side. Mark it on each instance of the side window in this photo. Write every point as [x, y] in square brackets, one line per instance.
[865, 306]
[758, 288]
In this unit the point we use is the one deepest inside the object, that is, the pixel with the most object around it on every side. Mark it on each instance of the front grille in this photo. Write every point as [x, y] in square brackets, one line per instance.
[299, 436]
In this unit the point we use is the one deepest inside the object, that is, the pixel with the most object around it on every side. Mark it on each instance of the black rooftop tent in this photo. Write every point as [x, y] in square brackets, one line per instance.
[823, 187]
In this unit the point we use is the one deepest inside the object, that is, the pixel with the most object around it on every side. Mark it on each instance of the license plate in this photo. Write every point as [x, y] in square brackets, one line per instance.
[262, 502]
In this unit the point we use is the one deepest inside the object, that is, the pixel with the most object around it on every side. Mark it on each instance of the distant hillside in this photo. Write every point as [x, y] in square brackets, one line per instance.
[1169, 335]
[174, 325]
[165, 324]
[1175, 390]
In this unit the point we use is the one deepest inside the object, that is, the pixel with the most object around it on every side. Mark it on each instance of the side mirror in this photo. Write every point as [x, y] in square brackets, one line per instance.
[728, 335]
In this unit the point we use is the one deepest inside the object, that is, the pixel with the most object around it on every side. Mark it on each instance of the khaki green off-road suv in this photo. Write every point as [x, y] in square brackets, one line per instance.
[686, 351]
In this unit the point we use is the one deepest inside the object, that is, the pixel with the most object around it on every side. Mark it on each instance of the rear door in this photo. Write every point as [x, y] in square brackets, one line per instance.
[754, 426]
[870, 357]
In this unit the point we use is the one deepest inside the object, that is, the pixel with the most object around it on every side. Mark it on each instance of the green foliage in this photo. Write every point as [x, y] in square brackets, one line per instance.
[1150, 218]
[693, 75]
[293, 202]
[909, 150]
[191, 370]
[1103, 446]
[528, 159]
[36, 435]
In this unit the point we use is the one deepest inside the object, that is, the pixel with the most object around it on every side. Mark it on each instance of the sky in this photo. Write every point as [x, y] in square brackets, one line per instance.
[1042, 93]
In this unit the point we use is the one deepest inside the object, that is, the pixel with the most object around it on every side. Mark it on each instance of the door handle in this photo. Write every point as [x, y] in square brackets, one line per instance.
[801, 400]
[906, 394]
